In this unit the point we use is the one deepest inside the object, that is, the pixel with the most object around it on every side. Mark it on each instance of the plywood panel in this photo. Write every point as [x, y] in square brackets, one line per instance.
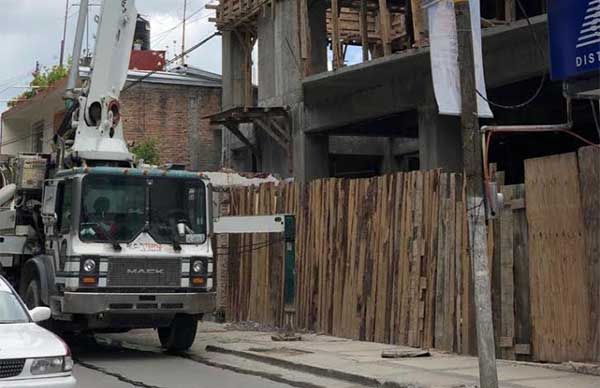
[560, 300]
[589, 176]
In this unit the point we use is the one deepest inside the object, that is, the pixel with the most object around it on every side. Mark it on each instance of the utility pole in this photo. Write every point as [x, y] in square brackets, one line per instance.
[183, 32]
[64, 37]
[473, 169]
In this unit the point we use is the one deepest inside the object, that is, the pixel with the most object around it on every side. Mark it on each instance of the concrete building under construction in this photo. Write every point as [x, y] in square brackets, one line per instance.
[345, 87]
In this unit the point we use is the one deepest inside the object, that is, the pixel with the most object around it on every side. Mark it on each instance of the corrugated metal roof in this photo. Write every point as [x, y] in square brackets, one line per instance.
[203, 79]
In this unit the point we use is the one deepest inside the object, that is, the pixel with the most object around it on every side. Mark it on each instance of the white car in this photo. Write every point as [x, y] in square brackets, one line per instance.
[30, 356]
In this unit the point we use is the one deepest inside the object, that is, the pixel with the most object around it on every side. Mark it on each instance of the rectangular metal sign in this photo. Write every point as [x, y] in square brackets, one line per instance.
[574, 28]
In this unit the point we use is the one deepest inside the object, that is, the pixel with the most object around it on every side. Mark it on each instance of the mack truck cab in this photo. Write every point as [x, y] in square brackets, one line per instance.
[130, 249]
[107, 242]
[110, 248]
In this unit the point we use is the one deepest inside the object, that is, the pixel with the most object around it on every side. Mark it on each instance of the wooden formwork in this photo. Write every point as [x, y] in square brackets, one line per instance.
[386, 259]
[381, 259]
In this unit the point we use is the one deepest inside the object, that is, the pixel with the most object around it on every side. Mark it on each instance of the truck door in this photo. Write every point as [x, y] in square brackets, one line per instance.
[58, 211]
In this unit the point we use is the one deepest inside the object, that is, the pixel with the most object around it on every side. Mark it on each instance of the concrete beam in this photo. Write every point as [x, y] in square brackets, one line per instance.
[400, 82]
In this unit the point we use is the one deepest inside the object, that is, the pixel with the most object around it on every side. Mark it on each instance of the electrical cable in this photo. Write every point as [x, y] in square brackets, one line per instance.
[256, 248]
[595, 118]
[542, 81]
[161, 35]
[176, 58]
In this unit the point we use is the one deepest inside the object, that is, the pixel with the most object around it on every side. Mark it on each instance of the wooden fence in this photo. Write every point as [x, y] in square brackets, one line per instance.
[385, 259]
[381, 259]
[563, 213]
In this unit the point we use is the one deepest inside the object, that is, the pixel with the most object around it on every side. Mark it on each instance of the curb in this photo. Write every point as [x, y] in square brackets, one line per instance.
[314, 370]
[201, 360]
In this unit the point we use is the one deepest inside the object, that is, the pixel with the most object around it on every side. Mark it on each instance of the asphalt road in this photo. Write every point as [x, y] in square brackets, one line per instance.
[107, 366]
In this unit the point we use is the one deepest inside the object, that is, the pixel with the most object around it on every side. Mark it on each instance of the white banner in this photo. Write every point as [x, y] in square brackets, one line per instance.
[444, 54]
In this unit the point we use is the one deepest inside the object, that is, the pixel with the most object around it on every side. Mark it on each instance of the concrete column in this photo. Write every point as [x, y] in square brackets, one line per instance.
[317, 22]
[280, 84]
[388, 164]
[233, 71]
[439, 140]
[286, 53]
[266, 64]
[310, 152]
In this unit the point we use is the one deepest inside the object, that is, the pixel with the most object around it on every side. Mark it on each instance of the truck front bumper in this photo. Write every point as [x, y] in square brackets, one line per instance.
[142, 303]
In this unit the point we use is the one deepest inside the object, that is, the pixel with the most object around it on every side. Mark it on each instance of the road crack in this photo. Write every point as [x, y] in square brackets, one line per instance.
[118, 376]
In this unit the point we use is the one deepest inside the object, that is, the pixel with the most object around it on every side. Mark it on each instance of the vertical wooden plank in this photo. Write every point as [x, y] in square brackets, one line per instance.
[384, 17]
[440, 312]
[589, 179]
[305, 42]
[405, 259]
[449, 278]
[416, 255]
[507, 307]
[432, 258]
[335, 38]
[558, 266]
[495, 255]
[521, 273]
[510, 11]
[364, 35]
[418, 21]
[458, 235]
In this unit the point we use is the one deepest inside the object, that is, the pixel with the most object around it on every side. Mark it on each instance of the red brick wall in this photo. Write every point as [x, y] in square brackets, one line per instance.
[173, 115]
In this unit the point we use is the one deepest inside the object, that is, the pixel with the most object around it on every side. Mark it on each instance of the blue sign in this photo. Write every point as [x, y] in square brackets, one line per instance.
[574, 28]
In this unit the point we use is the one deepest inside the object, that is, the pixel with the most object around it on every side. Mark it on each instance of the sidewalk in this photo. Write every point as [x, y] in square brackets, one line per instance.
[361, 363]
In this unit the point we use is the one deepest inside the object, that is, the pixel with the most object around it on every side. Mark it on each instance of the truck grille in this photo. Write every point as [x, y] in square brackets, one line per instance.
[11, 368]
[144, 272]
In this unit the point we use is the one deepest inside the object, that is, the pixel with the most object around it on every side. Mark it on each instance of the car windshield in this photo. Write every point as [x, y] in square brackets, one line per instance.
[172, 204]
[113, 207]
[118, 208]
[11, 311]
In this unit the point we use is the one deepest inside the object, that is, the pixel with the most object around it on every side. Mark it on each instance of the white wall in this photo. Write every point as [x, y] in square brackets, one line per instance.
[17, 124]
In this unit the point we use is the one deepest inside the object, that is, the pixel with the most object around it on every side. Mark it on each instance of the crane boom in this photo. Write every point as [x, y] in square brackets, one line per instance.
[99, 131]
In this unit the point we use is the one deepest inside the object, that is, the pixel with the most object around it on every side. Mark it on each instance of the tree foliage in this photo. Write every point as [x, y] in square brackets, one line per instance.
[42, 80]
[148, 150]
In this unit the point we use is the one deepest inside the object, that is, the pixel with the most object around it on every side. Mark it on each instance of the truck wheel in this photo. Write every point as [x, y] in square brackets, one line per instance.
[32, 294]
[180, 335]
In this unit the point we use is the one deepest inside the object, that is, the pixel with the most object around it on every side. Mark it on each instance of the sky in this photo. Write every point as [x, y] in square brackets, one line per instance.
[31, 30]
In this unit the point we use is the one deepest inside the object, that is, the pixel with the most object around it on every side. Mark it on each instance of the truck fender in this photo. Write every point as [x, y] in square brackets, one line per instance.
[42, 266]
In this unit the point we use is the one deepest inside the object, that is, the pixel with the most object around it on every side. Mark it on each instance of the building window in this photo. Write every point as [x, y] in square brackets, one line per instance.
[37, 136]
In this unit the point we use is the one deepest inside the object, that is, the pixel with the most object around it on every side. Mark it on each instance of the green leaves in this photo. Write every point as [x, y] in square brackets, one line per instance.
[147, 150]
[42, 80]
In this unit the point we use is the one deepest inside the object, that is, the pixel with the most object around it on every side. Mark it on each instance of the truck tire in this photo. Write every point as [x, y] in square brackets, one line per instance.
[31, 296]
[180, 334]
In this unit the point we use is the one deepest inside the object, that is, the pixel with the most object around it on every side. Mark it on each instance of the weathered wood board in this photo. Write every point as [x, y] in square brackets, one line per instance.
[589, 179]
[559, 271]
[368, 254]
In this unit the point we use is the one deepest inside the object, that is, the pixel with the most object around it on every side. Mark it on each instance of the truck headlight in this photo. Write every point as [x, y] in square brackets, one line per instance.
[198, 266]
[89, 265]
[49, 365]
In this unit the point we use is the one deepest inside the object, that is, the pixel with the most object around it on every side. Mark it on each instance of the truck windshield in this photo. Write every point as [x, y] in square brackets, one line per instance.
[113, 208]
[118, 208]
[172, 204]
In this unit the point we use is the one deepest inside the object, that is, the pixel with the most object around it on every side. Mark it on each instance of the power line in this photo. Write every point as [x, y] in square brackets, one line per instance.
[188, 19]
[165, 33]
[542, 81]
[194, 47]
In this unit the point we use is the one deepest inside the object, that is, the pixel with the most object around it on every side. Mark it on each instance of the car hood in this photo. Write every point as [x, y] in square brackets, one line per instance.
[28, 340]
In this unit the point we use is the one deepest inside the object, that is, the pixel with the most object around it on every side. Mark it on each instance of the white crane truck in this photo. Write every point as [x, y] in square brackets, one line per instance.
[107, 245]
